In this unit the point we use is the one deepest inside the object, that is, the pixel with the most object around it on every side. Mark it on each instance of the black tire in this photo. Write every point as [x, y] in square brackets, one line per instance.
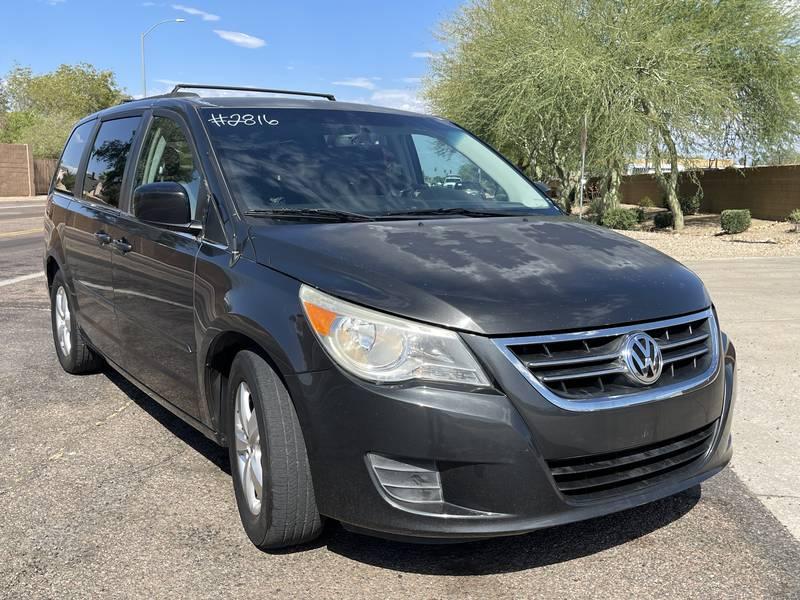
[78, 359]
[288, 513]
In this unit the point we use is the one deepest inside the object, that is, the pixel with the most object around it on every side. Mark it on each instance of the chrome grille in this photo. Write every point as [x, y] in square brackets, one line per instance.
[585, 370]
[598, 476]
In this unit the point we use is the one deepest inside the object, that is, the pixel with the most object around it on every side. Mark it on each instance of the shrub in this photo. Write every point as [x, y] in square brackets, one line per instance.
[735, 221]
[620, 218]
[595, 211]
[641, 213]
[794, 218]
[663, 220]
[691, 205]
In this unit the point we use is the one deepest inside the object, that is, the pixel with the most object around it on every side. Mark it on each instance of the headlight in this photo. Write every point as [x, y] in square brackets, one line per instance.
[386, 349]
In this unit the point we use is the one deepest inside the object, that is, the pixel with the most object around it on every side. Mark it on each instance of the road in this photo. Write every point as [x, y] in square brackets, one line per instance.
[20, 236]
[105, 493]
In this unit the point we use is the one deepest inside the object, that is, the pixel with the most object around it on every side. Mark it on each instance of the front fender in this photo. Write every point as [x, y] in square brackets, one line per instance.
[247, 301]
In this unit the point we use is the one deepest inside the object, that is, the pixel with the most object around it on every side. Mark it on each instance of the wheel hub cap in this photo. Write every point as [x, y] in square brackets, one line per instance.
[248, 447]
[63, 322]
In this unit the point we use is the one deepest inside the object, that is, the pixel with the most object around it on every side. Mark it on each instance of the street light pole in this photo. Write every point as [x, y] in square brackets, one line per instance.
[143, 35]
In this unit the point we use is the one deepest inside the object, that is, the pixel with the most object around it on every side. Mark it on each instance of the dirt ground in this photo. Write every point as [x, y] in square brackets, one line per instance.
[703, 238]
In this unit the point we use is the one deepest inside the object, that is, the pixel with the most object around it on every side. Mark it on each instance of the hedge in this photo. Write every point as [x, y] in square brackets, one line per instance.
[663, 220]
[735, 221]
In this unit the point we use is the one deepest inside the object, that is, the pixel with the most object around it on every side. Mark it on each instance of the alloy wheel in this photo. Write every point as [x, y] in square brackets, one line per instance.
[248, 447]
[63, 322]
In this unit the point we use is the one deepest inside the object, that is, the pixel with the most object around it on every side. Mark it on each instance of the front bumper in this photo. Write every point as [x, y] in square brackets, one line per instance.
[490, 448]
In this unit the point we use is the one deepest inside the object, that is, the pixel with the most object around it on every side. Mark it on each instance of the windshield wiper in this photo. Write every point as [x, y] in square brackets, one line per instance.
[328, 214]
[468, 212]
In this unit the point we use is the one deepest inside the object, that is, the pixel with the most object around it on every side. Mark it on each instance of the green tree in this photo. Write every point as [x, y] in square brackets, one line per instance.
[663, 77]
[40, 109]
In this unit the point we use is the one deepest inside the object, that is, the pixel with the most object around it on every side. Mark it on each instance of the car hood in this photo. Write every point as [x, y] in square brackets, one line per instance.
[490, 276]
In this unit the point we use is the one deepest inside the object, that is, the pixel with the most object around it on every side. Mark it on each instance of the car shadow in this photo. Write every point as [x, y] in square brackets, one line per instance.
[215, 454]
[516, 553]
[484, 557]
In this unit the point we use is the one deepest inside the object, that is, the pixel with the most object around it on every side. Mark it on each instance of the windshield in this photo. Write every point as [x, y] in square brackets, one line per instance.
[361, 162]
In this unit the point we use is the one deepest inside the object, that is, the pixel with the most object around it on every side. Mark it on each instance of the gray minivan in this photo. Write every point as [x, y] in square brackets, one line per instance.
[294, 277]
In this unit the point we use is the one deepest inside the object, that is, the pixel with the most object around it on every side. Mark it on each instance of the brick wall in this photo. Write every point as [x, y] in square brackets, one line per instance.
[769, 192]
[16, 170]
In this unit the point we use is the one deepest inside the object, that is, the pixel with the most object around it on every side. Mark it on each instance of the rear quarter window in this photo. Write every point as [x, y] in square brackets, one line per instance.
[67, 171]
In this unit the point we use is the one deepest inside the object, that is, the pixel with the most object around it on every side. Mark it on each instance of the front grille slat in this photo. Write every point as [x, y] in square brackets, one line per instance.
[672, 344]
[575, 360]
[615, 478]
[599, 476]
[599, 465]
[588, 367]
[582, 374]
[668, 360]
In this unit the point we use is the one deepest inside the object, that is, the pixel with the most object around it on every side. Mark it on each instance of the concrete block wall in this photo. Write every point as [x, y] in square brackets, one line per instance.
[769, 192]
[16, 170]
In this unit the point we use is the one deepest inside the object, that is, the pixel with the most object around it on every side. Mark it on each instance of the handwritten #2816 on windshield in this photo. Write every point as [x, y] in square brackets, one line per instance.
[244, 119]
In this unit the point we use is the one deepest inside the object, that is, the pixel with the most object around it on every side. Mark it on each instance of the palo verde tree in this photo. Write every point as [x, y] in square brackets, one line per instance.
[522, 75]
[663, 77]
[41, 109]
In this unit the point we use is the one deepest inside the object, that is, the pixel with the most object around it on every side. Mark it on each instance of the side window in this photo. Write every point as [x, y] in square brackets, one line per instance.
[66, 173]
[444, 166]
[106, 164]
[167, 156]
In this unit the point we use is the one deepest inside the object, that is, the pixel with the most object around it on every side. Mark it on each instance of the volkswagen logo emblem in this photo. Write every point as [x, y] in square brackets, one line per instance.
[642, 358]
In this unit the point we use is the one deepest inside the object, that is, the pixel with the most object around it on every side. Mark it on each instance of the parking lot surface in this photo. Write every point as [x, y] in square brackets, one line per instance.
[105, 493]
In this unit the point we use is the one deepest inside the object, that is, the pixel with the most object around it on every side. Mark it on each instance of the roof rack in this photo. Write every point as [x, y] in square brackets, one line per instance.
[177, 88]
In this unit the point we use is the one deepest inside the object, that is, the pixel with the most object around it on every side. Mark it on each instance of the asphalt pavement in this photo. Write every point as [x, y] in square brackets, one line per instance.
[20, 236]
[104, 493]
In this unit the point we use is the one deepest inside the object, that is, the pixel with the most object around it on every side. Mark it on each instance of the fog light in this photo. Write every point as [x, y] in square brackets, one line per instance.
[408, 481]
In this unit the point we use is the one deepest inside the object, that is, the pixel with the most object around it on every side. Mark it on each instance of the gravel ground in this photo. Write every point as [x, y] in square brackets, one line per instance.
[702, 238]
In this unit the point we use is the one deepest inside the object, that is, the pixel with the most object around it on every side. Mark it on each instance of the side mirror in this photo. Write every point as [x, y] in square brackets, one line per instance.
[165, 204]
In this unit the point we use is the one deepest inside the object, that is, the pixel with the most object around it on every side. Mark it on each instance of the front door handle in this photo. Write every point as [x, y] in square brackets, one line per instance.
[122, 246]
[103, 238]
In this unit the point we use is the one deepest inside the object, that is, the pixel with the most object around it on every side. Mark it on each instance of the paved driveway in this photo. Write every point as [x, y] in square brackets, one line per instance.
[102, 492]
[759, 306]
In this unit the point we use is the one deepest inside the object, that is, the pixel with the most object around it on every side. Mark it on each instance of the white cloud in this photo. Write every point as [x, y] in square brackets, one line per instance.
[412, 80]
[240, 39]
[401, 99]
[422, 55]
[358, 82]
[196, 12]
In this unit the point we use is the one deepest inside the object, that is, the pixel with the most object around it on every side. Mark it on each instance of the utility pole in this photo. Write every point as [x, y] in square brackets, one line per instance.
[584, 135]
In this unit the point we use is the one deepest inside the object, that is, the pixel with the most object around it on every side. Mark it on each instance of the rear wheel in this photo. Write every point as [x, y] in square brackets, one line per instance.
[269, 463]
[73, 353]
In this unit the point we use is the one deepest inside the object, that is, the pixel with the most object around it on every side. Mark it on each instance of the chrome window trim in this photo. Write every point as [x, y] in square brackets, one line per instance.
[621, 400]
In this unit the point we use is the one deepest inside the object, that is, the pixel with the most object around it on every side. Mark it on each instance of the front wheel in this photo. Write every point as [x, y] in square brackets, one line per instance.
[73, 353]
[269, 463]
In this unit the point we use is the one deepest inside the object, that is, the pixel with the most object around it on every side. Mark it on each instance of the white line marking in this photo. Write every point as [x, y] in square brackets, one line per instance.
[13, 206]
[21, 278]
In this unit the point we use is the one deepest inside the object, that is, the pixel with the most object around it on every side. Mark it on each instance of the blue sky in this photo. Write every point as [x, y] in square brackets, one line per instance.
[362, 50]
